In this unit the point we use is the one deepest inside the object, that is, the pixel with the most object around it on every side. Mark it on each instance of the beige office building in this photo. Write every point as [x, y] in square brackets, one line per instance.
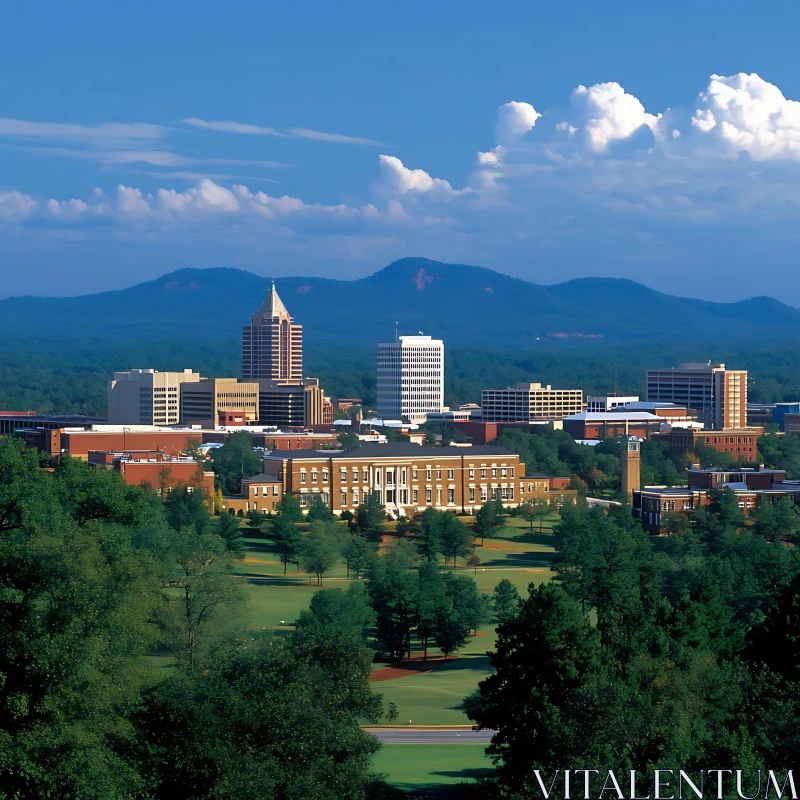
[529, 401]
[147, 397]
[203, 402]
[717, 394]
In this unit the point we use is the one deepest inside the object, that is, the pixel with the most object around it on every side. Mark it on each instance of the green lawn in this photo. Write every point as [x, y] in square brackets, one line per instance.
[413, 767]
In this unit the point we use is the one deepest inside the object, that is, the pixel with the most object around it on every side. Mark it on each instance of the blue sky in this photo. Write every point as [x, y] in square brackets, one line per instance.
[546, 140]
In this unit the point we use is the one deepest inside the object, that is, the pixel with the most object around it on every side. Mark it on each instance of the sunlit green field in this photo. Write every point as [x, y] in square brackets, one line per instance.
[429, 766]
[515, 552]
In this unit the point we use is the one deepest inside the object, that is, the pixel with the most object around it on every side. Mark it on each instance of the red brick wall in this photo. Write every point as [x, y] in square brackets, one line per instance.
[79, 443]
[168, 475]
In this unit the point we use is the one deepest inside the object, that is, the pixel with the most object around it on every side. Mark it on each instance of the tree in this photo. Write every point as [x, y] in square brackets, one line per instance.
[320, 549]
[394, 594]
[472, 607]
[449, 632]
[199, 618]
[357, 553]
[534, 697]
[289, 508]
[288, 541]
[235, 461]
[473, 562]
[348, 440]
[318, 510]
[428, 539]
[256, 519]
[369, 516]
[505, 601]
[455, 538]
[229, 529]
[184, 508]
[430, 599]
[345, 609]
[273, 718]
[486, 520]
[77, 597]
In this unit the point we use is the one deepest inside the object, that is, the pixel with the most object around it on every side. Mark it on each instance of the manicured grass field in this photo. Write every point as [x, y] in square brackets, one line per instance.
[413, 767]
[514, 552]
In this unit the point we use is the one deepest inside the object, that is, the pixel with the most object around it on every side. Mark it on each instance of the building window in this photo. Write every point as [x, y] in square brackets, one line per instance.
[438, 474]
[511, 471]
[344, 498]
[483, 473]
[494, 473]
[451, 474]
[390, 477]
[428, 474]
[365, 475]
[438, 497]
[265, 491]
[343, 476]
[503, 473]
[428, 496]
[314, 476]
[414, 474]
[403, 475]
[472, 494]
[303, 500]
[484, 495]
[415, 496]
[302, 476]
[451, 497]
[377, 477]
[275, 490]
[355, 476]
[324, 476]
[326, 498]
[472, 474]
[355, 497]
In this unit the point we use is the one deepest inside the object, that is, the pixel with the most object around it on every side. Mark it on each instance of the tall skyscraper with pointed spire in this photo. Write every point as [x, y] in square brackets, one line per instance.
[272, 344]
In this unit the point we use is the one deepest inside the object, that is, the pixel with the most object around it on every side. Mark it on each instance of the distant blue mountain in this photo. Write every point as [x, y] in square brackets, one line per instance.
[465, 305]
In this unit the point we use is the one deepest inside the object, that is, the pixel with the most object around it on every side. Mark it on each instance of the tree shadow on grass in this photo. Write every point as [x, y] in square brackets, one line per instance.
[257, 579]
[528, 560]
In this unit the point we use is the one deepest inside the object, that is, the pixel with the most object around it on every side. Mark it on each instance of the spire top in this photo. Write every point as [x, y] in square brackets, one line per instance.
[273, 306]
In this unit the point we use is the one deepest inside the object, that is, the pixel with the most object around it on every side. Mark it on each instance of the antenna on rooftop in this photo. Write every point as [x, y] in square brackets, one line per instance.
[395, 331]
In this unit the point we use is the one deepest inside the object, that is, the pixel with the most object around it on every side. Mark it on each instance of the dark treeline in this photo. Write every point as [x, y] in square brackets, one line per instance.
[670, 653]
[70, 376]
[97, 578]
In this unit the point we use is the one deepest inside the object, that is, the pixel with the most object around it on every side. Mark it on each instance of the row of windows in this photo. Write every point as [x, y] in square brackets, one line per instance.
[265, 490]
[503, 472]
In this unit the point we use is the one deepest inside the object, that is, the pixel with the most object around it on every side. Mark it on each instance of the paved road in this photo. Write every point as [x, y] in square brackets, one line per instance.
[442, 736]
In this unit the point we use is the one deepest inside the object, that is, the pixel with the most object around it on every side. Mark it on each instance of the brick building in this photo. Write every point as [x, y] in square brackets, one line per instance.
[741, 443]
[406, 477]
[751, 486]
[259, 493]
[529, 401]
[161, 472]
[537, 486]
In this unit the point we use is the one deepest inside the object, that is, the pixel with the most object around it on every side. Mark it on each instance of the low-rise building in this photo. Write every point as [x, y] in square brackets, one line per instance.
[405, 477]
[791, 423]
[609, 424]
[740, 443]
[529, 401]
[161, 472]
[258, 493]
[289, 404]
[752, 487]
[537, 486]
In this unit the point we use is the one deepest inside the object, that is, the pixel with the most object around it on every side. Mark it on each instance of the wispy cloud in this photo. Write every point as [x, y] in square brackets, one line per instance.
[229, 126]
[156, 158]
[107, 134]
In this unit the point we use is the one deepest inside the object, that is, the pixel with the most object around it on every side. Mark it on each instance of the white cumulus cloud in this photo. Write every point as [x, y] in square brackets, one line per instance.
[402, 180]
[611, 114]
[514, 120]
[15, 206]
[746, 113]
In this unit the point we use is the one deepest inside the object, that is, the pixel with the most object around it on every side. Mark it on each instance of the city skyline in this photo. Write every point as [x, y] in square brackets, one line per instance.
[570, 151]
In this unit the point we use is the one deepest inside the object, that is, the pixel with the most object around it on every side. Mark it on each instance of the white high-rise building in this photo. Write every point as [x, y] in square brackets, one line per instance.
[410, 378]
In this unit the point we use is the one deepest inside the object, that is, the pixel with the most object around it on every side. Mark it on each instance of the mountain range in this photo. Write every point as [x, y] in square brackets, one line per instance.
[464, 305]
